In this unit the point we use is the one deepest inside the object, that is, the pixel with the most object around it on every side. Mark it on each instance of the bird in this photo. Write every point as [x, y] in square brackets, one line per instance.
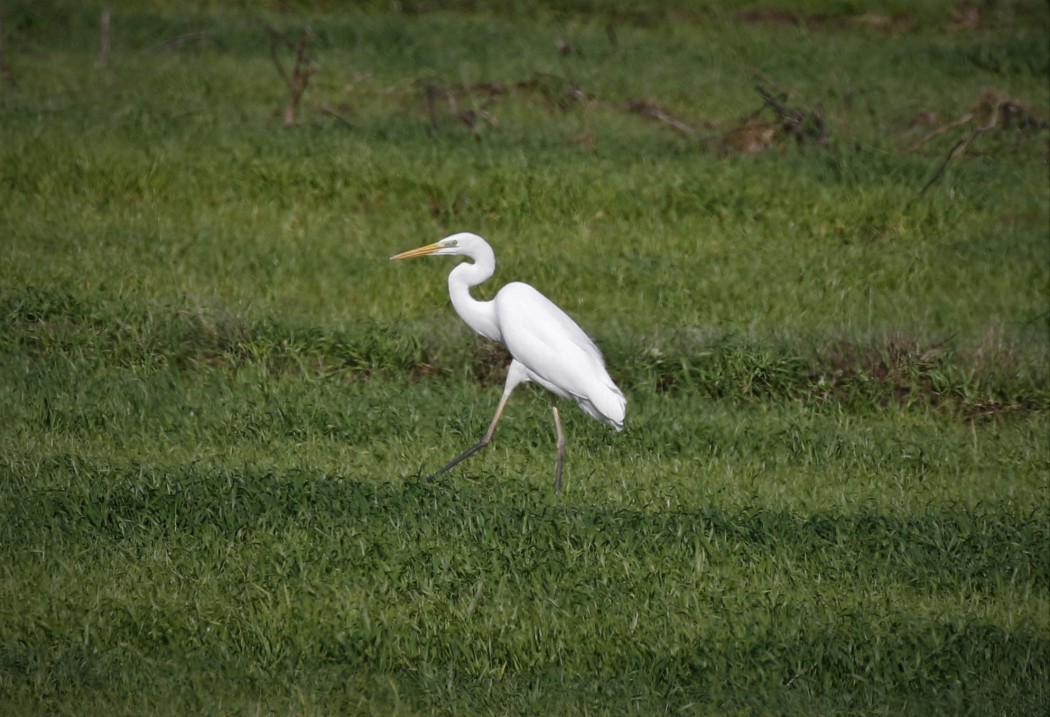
[546, 346]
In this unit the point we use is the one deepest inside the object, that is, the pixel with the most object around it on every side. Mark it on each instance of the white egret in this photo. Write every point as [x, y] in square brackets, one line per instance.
[547, 346]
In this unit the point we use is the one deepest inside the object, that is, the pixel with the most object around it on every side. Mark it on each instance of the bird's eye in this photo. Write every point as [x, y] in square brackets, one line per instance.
[452, 242]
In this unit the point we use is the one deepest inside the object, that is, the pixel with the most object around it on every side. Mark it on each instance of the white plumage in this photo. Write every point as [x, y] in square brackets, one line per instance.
[547, 346]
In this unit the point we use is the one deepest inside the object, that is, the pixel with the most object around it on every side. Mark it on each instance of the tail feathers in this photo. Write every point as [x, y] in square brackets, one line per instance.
[608, 405]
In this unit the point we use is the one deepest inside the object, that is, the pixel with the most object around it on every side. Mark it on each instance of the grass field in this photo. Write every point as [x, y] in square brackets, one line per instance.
[218, 397]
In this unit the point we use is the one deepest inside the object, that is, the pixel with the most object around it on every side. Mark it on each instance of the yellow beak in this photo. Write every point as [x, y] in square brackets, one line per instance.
[421, 251]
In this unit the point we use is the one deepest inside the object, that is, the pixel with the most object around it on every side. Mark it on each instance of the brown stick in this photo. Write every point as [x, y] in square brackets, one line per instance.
[337, 117]
[296, 85]
[941, 130]
[961, 145]
[647, 109]
[103, 38]
[275, 39]
[801, 124]
[302, 70]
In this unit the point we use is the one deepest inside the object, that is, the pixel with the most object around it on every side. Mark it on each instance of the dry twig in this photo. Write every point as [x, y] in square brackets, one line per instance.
[653, 111]
[804, 125]
[965, 119]
[434, 93]
[753, 134]
[996, 110]
[103, 38]
[337, 117]
[302, 70]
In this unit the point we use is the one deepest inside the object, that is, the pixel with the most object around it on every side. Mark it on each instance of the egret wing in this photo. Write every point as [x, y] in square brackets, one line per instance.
[557, 353]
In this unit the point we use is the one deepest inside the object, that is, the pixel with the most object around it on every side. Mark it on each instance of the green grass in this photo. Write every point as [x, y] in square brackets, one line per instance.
[218, 397]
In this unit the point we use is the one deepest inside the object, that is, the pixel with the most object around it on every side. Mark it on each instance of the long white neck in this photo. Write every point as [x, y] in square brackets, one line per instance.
[479, 315]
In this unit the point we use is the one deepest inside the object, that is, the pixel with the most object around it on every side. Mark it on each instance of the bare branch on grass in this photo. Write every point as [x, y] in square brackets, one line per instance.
[653, 111]
[996, 110]
[965, 119]
[806, 126]
[435, 93]
[751, 136]
[956, 151]
[471, 118]
[557, 93]
[432, 94]
[754, 134]
[302, 70]
[104, 38]
[337, 117]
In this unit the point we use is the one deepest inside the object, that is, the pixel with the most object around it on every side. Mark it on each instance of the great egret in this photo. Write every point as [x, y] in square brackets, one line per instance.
[547, 346]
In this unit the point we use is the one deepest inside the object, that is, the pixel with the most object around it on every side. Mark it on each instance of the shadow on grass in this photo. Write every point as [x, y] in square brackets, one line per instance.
[945, 545]
[418, 555]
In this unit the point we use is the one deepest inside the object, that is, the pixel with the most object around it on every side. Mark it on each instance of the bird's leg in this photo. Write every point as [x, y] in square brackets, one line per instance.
[560, 446]
[485, 440]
